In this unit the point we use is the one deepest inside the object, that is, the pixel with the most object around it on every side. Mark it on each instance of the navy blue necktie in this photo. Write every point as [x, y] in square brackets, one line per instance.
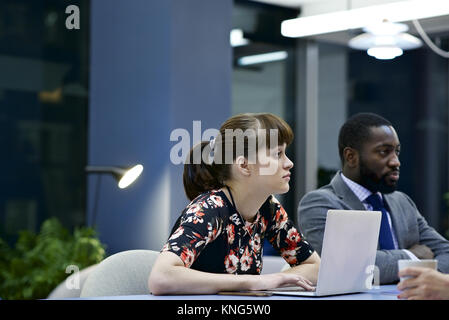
[385, 235]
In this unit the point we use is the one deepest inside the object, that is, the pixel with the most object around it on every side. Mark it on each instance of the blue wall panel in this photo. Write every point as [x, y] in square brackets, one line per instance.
[155, 66]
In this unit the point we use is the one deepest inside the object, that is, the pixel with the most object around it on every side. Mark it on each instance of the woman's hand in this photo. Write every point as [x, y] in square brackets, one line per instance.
[169, 276]
[277, 280]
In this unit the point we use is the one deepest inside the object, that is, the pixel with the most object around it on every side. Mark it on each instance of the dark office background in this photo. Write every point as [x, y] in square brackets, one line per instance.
[43, 115]
[44, 94]
[412, 92]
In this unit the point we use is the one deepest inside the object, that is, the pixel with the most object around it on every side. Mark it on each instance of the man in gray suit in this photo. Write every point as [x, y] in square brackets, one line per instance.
[369, 150]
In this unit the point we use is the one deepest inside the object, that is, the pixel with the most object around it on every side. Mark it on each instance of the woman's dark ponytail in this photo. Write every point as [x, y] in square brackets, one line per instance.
[198, 176]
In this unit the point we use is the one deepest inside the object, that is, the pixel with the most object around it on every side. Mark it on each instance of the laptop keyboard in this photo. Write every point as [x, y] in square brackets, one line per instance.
[292, 289]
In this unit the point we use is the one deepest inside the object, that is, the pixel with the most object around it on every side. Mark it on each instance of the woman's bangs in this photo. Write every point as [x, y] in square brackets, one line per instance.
[275, 125]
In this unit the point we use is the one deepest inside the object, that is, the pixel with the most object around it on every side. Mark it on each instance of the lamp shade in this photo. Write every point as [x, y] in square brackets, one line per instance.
[124, 176]
[385, 40]
[404, 41]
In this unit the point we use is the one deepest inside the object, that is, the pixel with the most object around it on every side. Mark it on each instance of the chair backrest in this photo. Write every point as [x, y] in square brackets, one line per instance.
[273, 264]
[124, 273]
[71, 287]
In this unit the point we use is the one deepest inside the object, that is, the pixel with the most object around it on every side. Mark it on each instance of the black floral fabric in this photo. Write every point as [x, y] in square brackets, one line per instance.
[211, 236]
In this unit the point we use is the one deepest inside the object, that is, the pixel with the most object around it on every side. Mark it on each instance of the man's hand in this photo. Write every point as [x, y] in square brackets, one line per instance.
[425, 284]
[421, 251]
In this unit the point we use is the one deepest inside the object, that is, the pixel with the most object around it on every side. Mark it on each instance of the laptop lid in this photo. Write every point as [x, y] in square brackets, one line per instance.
[349, 251]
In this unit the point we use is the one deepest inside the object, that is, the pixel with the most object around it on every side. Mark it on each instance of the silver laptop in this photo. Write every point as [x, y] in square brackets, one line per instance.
[348, 254]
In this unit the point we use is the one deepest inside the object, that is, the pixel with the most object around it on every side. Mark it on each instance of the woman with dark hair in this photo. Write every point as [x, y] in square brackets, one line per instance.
[216, 243]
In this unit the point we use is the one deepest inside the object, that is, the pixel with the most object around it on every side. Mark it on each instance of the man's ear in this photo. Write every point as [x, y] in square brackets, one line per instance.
[351, 157]
[242, 166]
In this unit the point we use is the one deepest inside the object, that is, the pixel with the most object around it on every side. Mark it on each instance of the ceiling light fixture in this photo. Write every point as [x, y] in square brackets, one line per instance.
[237, 39]
[262, 58]
[385, 40]
[361, 17]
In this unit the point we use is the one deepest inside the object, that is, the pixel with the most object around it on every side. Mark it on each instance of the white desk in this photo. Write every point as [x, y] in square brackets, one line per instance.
[388, 292]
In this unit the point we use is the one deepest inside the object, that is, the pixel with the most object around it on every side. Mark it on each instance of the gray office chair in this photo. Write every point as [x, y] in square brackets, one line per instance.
[124, 273]
[67, 289]
[273, 264]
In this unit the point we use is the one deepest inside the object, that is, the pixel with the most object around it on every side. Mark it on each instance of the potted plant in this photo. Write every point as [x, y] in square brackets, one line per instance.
[38, 262]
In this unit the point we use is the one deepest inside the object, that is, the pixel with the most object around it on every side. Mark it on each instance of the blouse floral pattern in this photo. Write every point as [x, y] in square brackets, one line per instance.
[211, 236]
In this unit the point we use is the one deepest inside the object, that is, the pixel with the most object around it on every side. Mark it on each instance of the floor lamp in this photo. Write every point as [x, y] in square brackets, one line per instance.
[124, 176]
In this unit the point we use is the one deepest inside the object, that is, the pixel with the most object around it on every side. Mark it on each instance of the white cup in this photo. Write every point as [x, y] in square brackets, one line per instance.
[428, 263]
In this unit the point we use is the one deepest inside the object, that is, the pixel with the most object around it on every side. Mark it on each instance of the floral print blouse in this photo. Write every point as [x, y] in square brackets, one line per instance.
[211, 236]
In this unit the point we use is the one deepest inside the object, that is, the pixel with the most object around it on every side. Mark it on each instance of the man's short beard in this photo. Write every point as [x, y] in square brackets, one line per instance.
[369, 180]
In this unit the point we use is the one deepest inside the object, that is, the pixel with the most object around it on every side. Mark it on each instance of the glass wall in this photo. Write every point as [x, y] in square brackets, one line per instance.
[43, 114]
[412, 92]
[264, 86]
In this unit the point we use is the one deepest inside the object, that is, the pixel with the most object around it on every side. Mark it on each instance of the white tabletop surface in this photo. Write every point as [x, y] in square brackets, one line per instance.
[386, 292]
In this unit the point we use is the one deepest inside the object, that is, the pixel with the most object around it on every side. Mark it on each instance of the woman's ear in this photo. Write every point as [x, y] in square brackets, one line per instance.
[351, 157]
[242, 166]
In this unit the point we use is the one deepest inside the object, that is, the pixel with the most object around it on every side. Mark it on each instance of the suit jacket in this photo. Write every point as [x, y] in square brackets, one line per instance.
[410, 226]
